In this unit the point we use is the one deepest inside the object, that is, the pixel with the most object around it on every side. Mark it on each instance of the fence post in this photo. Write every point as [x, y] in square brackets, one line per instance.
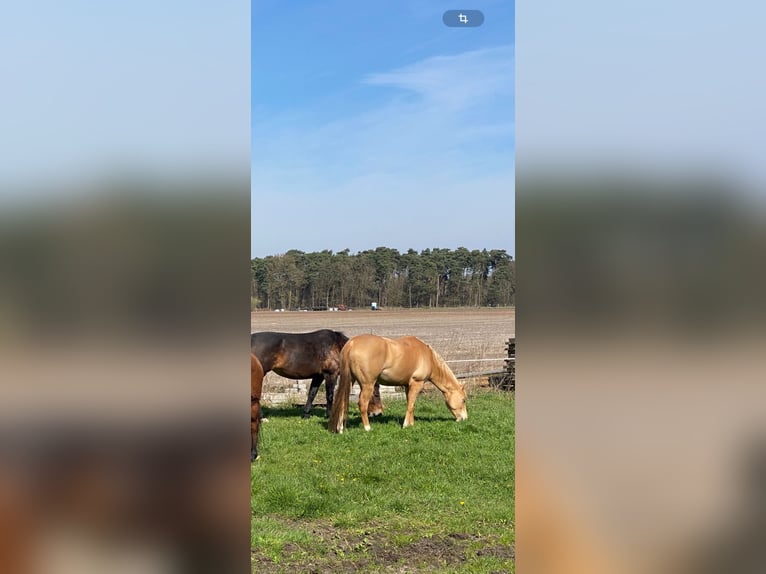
[507, 380]
[510, 365]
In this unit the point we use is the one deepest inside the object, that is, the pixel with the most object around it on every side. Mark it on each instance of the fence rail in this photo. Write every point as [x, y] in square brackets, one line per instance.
[475, 360]
[481, 374]
[504, 378]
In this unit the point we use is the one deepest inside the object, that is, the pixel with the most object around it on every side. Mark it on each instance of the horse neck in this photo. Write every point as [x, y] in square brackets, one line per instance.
[441, 375]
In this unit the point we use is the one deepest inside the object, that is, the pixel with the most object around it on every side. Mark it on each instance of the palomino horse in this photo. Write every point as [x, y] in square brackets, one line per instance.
[406, 362]
[314, 356]
[256, 388]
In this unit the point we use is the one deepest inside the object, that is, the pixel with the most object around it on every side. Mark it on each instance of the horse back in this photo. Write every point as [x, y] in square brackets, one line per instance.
[391, 361]
[298, 355]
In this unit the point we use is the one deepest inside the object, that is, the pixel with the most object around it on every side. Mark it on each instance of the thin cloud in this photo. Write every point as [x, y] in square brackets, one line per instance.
[457, 80]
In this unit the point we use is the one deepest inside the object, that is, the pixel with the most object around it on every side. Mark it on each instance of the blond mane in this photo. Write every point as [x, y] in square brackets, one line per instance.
[440, 365]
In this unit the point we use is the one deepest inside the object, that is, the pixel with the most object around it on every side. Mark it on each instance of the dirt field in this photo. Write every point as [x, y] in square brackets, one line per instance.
[464, 337]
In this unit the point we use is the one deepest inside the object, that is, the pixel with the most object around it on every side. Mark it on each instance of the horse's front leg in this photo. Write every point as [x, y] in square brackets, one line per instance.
[413, 390]
[316, 380]
[329, 389]
[365, 394]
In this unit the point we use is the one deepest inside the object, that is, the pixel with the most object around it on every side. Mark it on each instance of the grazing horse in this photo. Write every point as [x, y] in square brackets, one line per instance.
[314, 356]
[406, 362]
[256, 388]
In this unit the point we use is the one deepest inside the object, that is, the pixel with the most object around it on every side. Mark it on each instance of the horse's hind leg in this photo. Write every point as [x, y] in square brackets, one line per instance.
[315, 382]
[329, 387]
[365, 394]
[255, 424]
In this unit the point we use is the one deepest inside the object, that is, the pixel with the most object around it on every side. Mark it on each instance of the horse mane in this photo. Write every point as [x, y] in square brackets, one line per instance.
[441, 365]
[340, 338]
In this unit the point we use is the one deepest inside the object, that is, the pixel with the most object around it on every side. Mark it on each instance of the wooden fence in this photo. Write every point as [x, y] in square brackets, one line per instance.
[289, 391]
[507, 379]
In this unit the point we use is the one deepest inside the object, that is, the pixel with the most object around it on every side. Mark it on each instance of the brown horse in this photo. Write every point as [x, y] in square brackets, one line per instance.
[256, 388]
[314, 356]
[407, 362]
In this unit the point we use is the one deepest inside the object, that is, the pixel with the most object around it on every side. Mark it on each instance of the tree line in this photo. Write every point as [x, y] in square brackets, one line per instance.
[430, 278]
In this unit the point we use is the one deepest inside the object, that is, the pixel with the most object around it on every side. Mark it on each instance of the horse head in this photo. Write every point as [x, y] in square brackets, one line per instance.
[455, 400]
[454, 392]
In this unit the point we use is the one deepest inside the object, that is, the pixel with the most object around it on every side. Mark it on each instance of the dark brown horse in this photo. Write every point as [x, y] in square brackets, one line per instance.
[406, 362]
[256, 389]
[314, 356]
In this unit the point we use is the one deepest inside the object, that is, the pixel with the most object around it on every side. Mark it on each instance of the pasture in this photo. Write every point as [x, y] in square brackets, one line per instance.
[435, 497]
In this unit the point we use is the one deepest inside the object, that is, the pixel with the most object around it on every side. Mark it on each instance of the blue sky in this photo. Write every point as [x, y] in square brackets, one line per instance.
[374, 124]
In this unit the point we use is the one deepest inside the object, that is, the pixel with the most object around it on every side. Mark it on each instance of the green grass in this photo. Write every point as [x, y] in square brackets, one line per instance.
[436, 497]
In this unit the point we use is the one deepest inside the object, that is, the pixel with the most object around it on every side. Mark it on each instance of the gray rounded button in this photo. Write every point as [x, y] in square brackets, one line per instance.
[463, 18]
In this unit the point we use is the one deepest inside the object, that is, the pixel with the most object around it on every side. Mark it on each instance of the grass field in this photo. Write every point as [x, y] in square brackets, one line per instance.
[435, 497]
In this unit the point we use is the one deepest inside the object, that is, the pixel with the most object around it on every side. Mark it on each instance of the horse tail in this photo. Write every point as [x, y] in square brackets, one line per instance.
[339, 412]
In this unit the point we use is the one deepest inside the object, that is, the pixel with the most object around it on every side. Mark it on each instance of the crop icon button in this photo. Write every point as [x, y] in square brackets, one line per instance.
[463, 18]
